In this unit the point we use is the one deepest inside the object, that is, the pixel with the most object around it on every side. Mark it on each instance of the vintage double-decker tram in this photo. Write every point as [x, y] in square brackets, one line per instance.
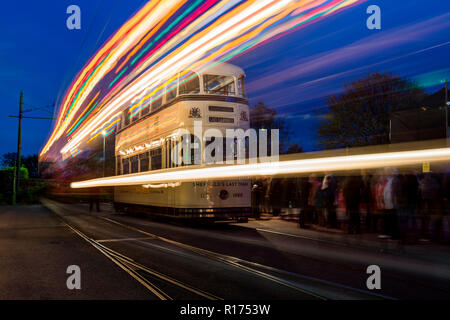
[146, 139]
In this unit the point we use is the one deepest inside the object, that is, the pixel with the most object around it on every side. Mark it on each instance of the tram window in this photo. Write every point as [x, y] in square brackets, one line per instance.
[241, 88]
[213, 152]
[126, 166]
[134, 164]
[189, 83]
[216, 84]
[145, 110]
[195, 142]
[126, 118]
[196, 158]
[143, 161]
[231, 145]
[118, 162]
[171, 93]
[156, 157]
[157, 104]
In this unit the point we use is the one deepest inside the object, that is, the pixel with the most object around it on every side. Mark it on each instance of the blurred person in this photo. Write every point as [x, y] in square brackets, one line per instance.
[266, 183]
[446, 193]
[314, 197]
[304, 190]
[430, 195]
[367, 199]
[352, 190]
[446, 201]
[257, 197]
[291, 193]
[94, 199]
[390, 212]
[406, 194]
[378, 200]
[277, 195]
[328, 190]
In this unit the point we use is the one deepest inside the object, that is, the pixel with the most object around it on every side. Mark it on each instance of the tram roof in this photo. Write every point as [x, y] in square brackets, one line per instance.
[222, 68]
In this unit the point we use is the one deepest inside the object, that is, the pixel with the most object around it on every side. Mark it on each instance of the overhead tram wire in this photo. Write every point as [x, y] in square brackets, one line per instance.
[34, 109]
[85, 38]
[45, 108]
[77, 56]
[107, 23]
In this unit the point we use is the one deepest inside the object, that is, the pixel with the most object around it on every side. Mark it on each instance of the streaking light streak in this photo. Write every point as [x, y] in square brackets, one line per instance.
[341, 163]
[164, 38]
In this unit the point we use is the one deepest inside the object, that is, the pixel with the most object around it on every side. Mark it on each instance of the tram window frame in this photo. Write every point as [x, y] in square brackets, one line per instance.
[241, 86]
[145, 110]
[156, 159]
[193, 141]
[157, 104]
[222, 89]
[186, 87]
[134, 118]
[232, 143]
[212, 139]
[169, 161]
[144, 160]
[126, 118]
[118, 166]
[134, 164]
[171, 91]
[126, 166]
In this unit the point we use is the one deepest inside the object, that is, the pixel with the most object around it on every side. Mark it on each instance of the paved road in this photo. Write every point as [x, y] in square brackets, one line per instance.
[125, 257]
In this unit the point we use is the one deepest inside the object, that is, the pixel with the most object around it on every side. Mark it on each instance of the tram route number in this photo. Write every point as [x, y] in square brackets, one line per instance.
[227, 309]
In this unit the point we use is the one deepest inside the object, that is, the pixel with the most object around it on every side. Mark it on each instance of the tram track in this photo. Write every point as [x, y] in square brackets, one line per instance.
[263, 270]
[132, 267]
[146, 276]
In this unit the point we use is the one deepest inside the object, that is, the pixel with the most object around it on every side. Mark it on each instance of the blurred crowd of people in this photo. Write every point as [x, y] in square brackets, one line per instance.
[403, 205]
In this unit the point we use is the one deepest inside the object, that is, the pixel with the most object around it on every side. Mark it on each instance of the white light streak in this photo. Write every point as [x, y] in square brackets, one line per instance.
[341, 163]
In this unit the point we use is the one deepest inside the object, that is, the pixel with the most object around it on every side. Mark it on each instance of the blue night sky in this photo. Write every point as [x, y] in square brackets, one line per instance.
[293, 74]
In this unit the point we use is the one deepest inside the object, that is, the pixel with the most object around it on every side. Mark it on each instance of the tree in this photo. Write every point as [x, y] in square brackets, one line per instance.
[8, 159]
[29, 162]
[294, 148]
[32, 164]
[360, 115]
[263, 117]
[9, 171]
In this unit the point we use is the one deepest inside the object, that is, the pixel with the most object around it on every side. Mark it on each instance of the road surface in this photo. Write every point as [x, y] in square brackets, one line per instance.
[126, 257]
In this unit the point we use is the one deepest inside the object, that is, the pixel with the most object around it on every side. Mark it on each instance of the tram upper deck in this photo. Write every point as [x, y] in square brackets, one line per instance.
[215, 97]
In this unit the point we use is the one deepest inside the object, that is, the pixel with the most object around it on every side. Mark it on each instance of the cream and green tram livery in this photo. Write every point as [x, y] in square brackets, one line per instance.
[144, 142]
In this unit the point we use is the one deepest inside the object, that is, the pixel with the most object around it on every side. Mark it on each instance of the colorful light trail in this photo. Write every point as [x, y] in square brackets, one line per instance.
[165, 37]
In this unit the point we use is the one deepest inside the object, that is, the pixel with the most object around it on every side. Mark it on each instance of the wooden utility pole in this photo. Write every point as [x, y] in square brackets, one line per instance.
[16, 179]
[19, 146]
